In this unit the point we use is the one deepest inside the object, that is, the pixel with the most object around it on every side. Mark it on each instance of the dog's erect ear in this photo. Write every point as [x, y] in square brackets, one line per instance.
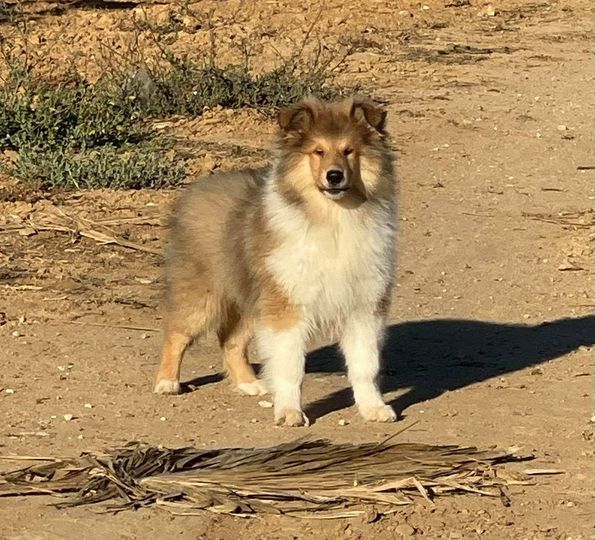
[365, 109]
[297, 118]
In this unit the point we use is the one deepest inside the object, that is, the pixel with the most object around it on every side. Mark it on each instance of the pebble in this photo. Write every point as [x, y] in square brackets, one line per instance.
[9, 391]
[404, 529]
[265, 404]
[16, 333]
[68, 417]
[343, 422]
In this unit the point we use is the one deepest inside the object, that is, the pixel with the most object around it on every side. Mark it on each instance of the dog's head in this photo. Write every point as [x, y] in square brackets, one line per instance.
[340, 146]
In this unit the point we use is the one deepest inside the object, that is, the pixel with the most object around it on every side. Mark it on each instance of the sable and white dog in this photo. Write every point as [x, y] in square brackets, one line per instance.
[280, 254]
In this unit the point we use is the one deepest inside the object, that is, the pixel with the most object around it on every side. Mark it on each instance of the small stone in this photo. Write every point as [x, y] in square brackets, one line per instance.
[343, 422]
[16, 333]
[265, 404]
[68, 417]
[88, 406]
[144, 336]
[490, 11]
[163, 419]
[562, 127]
[254, 420]
[404, 529]
[9, 391]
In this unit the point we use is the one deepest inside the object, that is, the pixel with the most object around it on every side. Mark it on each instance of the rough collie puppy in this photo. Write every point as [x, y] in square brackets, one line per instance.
[283, 253]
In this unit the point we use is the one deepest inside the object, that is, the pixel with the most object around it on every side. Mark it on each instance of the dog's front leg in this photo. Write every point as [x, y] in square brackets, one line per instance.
[283, 354]
[360, 342]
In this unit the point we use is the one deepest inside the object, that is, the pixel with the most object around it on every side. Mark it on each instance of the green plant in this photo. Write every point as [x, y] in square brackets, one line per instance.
[130, 167]
[37, 114]
[183, 87]
[76, 135]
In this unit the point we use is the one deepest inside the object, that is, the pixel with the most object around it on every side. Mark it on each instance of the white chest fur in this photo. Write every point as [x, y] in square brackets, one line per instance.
[334, 268]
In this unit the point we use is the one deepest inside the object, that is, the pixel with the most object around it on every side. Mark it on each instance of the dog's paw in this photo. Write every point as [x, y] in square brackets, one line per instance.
[378, 413]
[254, 388]
[167, 386]
[291, 418]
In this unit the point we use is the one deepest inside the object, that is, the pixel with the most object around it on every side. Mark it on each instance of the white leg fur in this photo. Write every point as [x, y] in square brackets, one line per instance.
[167, 386]
[360, 343]
[283, 354]
[254, 388]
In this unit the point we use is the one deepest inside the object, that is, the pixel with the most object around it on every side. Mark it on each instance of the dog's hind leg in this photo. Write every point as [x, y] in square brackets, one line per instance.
[234, 335]
[187, 316]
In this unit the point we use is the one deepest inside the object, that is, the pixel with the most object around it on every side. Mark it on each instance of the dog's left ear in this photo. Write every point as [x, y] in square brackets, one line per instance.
[365, 109]
[296, 118]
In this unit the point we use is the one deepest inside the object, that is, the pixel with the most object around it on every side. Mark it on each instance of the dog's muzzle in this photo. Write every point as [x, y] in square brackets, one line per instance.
[335, 184]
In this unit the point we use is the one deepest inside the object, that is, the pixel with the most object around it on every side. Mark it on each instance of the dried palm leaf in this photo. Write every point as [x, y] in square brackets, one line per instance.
[302, 477]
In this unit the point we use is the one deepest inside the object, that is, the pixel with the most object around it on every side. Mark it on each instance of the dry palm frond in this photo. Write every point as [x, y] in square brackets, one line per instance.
[297, 478]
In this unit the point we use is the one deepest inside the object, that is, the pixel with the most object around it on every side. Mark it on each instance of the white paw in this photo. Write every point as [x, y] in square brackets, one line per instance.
[254, 388]
[291, 418]
[378, 413]
[167, 386]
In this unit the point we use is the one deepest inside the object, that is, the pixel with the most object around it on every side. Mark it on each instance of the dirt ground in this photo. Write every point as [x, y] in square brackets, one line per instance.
[491, 329]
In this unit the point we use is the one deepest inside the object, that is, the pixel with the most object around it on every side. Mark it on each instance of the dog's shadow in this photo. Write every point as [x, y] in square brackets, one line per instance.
[434, 356]
[202, 380]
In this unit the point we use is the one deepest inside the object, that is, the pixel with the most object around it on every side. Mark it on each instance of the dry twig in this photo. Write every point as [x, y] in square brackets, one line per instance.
[95, 230]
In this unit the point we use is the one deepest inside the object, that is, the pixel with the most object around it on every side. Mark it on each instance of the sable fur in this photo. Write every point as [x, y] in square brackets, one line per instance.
[283, 253]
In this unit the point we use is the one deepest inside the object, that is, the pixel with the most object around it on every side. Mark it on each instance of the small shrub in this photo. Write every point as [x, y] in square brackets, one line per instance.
[37, 114]
[132, 167]
[76, 135]
[186, 88]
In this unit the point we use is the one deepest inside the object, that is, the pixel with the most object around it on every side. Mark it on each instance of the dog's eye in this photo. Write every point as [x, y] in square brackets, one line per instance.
[348, 151]
[319, 152]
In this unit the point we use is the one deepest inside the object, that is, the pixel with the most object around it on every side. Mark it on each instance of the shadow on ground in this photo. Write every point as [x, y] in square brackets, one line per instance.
[434, 356]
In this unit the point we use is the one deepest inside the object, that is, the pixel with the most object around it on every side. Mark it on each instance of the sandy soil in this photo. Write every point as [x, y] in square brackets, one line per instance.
[491, 329]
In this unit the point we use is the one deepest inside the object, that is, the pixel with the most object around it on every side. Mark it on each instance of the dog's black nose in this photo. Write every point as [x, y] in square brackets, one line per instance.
[334, 177]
